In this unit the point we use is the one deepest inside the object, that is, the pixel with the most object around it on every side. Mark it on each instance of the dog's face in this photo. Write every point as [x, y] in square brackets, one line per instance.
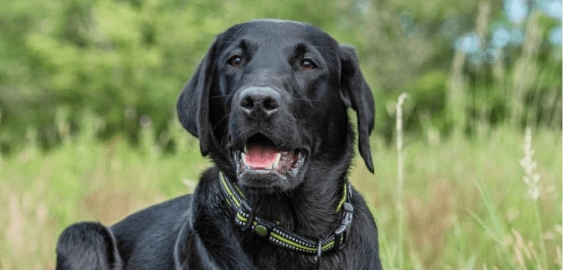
[269, 100]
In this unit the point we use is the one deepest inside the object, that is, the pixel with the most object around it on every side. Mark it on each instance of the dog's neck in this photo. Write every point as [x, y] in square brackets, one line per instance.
[308, 210]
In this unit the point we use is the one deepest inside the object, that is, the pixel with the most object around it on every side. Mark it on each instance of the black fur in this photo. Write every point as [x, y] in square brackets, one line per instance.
[306, 111]
[88, 245]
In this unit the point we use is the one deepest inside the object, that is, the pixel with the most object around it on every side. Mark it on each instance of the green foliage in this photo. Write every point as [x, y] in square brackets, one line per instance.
[126, 59]
[428, 92]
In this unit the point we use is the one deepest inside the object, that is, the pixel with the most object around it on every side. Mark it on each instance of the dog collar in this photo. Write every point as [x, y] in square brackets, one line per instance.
[244, 217]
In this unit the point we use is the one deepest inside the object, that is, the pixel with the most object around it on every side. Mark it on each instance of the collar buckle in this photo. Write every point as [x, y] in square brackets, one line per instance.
[244, 211]
[341, 233]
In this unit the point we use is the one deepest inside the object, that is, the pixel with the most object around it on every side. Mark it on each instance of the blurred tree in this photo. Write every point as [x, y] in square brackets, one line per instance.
[123, 59]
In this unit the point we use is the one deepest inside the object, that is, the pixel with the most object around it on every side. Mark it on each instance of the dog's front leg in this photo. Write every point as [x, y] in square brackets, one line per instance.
[219, 252]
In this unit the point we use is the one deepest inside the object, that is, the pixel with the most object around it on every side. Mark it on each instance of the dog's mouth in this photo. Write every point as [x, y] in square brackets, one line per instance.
[262, 156]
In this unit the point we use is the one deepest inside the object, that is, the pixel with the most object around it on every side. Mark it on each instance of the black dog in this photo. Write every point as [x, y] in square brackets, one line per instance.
[269, 105]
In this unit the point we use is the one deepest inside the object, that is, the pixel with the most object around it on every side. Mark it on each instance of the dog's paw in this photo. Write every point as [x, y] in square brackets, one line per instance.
[87, 245]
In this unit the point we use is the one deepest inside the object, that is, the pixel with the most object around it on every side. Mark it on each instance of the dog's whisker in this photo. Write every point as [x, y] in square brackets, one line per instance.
[221, 96]
[306, 99]
[218, 122]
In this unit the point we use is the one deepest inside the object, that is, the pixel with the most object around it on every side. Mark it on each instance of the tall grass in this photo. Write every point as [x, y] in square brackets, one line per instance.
[463, 203]
[531, 179]
[401, 210]
[85, 179]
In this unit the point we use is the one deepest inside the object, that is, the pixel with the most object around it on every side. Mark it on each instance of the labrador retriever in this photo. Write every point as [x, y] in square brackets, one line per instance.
[268, 103]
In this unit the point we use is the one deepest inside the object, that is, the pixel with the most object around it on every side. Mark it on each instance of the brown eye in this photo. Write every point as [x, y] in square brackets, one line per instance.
[307, 64]
[235, 61]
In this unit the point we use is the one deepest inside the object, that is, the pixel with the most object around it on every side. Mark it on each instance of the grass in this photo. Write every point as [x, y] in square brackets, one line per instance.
[400, 194]
[465, 204]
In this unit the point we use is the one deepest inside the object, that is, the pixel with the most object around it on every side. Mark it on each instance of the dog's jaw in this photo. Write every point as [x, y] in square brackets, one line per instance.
[268, 164]
[283, 164]
[280, 175]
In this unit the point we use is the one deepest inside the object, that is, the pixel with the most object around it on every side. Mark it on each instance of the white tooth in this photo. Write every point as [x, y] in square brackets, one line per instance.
[275, 164]
[243, 156]
[244, 149]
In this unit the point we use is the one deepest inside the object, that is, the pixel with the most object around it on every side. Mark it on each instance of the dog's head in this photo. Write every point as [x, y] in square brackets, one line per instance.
[269, 104]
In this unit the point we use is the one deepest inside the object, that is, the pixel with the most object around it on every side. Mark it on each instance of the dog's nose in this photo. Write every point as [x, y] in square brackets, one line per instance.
[259, 102]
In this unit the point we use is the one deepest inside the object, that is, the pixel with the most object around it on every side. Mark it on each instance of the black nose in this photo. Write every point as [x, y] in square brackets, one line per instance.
[259, 102]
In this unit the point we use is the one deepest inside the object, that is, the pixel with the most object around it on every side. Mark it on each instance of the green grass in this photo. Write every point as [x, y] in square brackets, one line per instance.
[465, 201]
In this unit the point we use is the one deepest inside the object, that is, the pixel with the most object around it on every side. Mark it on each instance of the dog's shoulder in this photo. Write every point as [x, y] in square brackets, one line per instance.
[165, 212]
[146, 239]
[364, 236]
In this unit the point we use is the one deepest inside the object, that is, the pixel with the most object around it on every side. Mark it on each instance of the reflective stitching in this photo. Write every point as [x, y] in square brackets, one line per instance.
[276, 236]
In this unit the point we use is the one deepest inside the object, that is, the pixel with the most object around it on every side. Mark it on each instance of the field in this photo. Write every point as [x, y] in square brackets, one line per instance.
[87, 127]
[464, 204]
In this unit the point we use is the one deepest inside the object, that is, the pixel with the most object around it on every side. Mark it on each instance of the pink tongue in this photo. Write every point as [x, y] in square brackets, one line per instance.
[260, 157]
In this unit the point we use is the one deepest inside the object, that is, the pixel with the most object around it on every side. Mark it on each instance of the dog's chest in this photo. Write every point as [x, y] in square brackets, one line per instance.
[265, 255]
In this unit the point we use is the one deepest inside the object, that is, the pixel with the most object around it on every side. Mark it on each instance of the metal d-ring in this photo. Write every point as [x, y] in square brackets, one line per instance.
[319, 251]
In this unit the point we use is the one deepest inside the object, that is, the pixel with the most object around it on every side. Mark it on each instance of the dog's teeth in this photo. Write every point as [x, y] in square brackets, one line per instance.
[275, 164]
[243, 156]
[244, 149]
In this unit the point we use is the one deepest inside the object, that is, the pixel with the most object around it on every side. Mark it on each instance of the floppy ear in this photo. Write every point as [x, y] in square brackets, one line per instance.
[356, 93]
[193, 103]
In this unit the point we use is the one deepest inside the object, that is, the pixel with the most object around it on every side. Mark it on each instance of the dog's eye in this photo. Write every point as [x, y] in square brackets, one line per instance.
[308, 64]
[234, 61]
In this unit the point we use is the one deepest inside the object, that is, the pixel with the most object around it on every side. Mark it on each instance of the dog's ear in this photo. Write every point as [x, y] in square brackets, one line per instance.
[356, 93]
[88, 245]
[193, 103]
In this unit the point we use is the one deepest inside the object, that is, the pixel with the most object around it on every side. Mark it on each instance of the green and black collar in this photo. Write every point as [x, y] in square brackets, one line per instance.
[244, 217]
